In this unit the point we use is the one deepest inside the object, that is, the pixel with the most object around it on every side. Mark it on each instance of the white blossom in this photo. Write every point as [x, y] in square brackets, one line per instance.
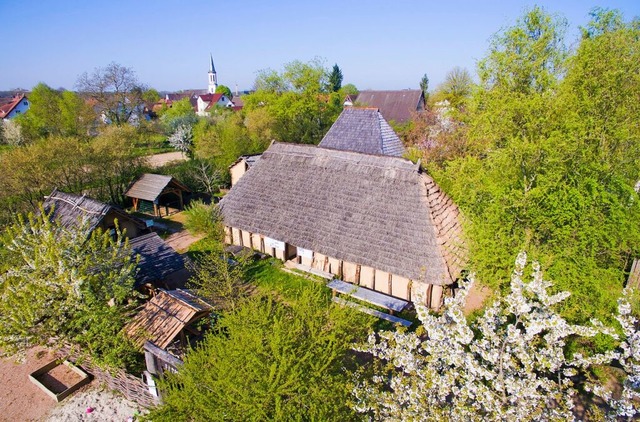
[508, 365]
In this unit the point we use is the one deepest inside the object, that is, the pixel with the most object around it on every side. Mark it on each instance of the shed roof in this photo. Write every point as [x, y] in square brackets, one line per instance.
[165, 315]
[68, 209]
[394, 105]
[366, 209]
[363, 130]
[158, 260]
[150, 186]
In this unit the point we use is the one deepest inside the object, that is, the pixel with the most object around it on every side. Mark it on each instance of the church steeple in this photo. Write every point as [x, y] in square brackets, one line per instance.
[213, 77]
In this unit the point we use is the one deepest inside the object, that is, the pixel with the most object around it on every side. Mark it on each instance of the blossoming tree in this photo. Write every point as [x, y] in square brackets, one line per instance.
[510, 364]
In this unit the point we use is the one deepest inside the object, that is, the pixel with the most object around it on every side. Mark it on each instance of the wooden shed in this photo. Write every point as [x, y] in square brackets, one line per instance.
[158, 190]
[166, 316]
[160, 265]
[373, 220]
[68, 209]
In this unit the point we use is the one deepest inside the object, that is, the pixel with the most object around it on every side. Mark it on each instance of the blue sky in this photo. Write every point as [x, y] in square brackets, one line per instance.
[377, 44]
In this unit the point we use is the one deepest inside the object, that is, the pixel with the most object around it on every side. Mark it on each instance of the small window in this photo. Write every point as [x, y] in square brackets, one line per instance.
[25, 103]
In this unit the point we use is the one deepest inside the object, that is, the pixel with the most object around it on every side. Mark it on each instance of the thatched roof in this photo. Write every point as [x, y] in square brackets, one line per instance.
[363, 130]
[394, 105]
[150, 186]
[165, 315]
[158, 260]
[68, 209]
[366, 209]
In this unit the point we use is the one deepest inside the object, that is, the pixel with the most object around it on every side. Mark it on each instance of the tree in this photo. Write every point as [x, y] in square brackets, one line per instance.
[181, 113]
[294, 103]
[335, 79]
[456, 88]
[220, 278]
[509, 364]
[528, 57]
[67, 283]
[55, 113]
[151, 96]
[424, 86]
[116, 91]
[182, 140]
[269, 361]
[549, 170]
[223, 89]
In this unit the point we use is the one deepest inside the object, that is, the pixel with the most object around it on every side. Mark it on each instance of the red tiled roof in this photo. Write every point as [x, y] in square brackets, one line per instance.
[211, 97]
[7, 108]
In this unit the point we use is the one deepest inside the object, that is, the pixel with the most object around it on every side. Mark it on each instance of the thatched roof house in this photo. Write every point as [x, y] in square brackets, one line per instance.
[363, 130]
[241, 166]
[158, 189]
[166, 316]
[159, 265]
[395, 106]
[68, 209]
[377, 221]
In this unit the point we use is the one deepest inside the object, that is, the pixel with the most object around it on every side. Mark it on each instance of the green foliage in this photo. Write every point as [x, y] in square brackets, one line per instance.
[150, 96]
[292, 106]
[104, 165]
[220, 277]
[456, 88]
[223, 89]
[65, 283]
[549, 164]
[335, 79]
[527, 57]
[181, 113]
[204, 219]
[348, 89]
[269, 361]
[55, 113]
[424, 86]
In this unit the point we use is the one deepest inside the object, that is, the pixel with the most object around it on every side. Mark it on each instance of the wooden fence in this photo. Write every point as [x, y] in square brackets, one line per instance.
[132, 388]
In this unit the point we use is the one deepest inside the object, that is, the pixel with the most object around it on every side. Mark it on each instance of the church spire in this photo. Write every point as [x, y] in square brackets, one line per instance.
[213, 77]
[212, 68]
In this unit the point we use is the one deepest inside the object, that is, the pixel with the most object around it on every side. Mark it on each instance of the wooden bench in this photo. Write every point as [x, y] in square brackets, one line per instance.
[308, 269]
[370, 296]
[382, 315]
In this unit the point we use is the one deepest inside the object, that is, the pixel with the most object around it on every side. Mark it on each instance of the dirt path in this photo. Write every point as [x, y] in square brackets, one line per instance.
[159, 160]
[477, 297]
[181, 240]
[20, 399]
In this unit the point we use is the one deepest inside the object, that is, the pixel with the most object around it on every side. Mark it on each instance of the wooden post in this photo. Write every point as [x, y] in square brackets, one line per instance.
[181, 201]
[156, 211]
[357, 280]
[390, 286]
[135, 204]
[436, 297]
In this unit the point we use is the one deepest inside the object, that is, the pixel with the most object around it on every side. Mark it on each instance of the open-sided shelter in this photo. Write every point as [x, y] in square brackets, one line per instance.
[69, 209]
[375, 221]
[363, 130]
[158, 190]
[166, 316]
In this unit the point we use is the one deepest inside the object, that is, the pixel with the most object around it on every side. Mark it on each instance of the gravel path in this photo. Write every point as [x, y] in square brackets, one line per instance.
[159, 160]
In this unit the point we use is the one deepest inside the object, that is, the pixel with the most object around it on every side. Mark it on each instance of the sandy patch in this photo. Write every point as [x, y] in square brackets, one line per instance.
[159, 160]
[477, 297]
[95, 404]
[20, 399]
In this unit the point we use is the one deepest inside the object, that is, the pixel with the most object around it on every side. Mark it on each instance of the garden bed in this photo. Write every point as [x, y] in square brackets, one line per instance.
[59, 379]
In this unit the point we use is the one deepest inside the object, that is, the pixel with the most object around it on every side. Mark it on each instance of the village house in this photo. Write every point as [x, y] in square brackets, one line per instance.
[241, 166]
[395, 106]
[12, 107]
[375, 221]
[68, 209]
